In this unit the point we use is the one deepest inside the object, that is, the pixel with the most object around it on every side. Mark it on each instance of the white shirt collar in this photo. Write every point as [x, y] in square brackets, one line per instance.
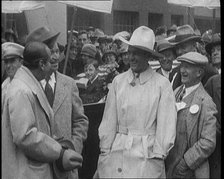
[165, 73]
[190, 89]
[52, 81]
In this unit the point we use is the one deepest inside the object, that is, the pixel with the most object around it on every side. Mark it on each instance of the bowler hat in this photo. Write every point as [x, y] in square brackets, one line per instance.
[193, 58]
[143, 38]
[10, 50]
[164, 45]
[216, 40]
[185, 33]
[43, 34]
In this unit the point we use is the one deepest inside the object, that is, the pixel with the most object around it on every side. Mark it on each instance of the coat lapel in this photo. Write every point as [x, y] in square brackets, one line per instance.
[27, 77]
[60, 92]
[192, 119]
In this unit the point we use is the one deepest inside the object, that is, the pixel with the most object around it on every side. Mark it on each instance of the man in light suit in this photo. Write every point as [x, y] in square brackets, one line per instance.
[196, 124]
[28, 149]
[70, 123]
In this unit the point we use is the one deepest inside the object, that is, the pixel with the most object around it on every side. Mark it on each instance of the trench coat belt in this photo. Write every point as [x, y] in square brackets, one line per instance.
[134, 132]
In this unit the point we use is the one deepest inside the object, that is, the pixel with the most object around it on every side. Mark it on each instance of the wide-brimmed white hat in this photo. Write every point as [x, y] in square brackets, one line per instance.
[144, 39]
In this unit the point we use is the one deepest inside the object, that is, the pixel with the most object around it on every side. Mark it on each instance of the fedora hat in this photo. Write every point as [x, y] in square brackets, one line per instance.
[143, 38]
[185, 33]
[164, 45]
[43, 34]
[215, 40]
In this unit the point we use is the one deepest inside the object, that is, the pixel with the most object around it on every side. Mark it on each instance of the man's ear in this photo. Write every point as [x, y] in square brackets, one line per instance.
[41, 64]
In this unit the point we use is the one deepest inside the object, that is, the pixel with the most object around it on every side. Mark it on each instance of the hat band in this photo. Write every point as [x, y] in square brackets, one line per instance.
[180, 38]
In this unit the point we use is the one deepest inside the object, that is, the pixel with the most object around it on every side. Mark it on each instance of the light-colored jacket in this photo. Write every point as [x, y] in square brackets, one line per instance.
[201, 133]
[27, 150]
[138, 127]
[69, 119]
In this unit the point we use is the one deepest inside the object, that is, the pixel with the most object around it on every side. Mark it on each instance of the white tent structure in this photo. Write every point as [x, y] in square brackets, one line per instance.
[196, 3]
[20, 6]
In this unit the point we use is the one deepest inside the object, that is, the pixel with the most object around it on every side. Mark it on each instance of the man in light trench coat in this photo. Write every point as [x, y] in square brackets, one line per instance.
[28, 150]
[70, 125]
[196, 124]
[138, 126]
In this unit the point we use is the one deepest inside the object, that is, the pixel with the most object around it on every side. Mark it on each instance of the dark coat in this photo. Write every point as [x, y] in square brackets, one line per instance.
[213, 87]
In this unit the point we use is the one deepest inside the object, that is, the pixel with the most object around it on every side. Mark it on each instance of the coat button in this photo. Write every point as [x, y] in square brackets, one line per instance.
[119, 170]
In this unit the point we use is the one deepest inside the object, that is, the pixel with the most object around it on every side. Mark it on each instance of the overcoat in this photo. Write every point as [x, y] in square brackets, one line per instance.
[69, 119]
[213, 87]
[138, 127]
[27, 150]
[198, 114]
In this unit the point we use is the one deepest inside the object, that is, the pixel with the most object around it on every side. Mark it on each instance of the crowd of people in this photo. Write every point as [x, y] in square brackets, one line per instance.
[157, 123]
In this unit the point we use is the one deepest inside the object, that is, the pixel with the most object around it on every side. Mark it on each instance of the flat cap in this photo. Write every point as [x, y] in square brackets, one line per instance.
[10, 50]
[193, 58]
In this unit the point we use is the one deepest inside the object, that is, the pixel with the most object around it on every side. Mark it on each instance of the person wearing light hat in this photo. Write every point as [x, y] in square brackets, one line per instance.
[12, 55]
[58, 86]
[186, 41]
[196, 124]
[167, 49]
[138, 126]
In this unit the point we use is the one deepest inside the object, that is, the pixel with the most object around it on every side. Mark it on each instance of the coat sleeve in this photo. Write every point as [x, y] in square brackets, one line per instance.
[34, 143]
[206, 143]
[79, 120]
[166, 122]
[108, 127]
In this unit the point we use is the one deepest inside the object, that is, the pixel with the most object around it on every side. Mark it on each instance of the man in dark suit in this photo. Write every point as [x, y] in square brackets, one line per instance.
[196, 122]
[213, 87]
[167, 49]
[70, 123]
[186, 41]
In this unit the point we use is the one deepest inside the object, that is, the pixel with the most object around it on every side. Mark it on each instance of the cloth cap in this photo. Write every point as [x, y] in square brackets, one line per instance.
[89, 49]
[185, 33]
[43, 34]
[193, 58]
[216, 40]
[143, 38]
[10, 50]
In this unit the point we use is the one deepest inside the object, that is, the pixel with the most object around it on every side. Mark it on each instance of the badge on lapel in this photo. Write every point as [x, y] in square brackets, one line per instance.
[194, 109]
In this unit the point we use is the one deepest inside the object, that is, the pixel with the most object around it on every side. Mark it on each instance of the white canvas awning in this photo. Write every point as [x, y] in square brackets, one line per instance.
[196, 3]
[104, 6]
[20, 6]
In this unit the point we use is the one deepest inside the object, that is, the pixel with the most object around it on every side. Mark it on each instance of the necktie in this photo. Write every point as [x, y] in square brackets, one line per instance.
[49, 93]
[136, 76]
[180, 94]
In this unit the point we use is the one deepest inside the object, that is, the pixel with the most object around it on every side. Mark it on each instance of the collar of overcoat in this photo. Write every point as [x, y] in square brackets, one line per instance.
[144, 76]
[25, 75]
[60, 91]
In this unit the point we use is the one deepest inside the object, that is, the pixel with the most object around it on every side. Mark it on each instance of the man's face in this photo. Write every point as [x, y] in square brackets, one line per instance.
[73, 52]
[47, 67]
[189, 46]
[167, 62]
[190, 74]
[82, 39]
[55, 54]
[138, 59]
[125, 58]
[12, 65]
[216, 54]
